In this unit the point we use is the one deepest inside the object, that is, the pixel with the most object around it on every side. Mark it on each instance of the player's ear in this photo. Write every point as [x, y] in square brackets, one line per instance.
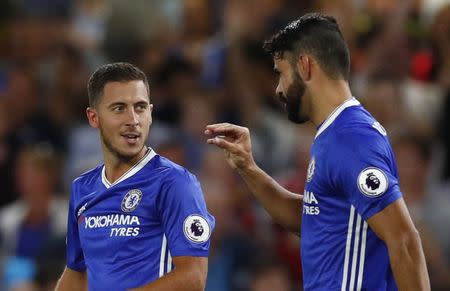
[92, 116]
[304, 63]
[150, 107]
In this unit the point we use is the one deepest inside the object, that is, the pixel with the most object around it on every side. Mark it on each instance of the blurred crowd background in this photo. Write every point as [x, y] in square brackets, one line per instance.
[205, 64]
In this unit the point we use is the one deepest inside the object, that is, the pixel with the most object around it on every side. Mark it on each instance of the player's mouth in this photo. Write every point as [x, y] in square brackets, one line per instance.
[131, 138]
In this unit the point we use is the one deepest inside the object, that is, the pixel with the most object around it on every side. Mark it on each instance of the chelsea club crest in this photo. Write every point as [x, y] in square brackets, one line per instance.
[311, 169]
[131, 200]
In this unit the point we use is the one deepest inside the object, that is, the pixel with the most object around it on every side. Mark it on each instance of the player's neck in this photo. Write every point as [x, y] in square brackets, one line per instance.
[115, 167]
[328, 99]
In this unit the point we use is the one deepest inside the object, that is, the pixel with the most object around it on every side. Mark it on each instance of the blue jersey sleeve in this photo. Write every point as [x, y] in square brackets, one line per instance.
[75, 257]
[186, 221]
[364, 169]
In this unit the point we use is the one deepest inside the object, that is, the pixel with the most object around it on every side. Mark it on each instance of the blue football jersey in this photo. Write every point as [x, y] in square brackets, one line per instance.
[352, 175]
[125, 234]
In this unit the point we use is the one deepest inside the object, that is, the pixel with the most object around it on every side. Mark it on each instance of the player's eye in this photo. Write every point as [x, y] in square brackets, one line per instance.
[118, 108]
[141, 107]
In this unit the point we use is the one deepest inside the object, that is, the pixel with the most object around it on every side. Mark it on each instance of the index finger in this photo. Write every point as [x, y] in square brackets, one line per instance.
[223, 128]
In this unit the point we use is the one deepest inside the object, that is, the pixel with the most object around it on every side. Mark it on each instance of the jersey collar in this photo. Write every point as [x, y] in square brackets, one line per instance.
[329, 120]
[133, 170]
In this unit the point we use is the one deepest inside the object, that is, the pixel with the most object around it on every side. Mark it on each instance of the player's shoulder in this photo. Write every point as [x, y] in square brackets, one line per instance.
[357, 133]
[171, 171]
[89, 176]
[359, 126]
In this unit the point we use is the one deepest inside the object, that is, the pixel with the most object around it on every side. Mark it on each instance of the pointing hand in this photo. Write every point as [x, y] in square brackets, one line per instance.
[235, 141]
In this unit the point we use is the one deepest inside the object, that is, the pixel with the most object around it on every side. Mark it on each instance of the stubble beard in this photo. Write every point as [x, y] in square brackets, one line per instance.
[126, 158]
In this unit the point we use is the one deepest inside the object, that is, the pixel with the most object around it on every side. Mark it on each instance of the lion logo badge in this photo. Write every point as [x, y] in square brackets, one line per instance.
[372, 182]
[196, 228]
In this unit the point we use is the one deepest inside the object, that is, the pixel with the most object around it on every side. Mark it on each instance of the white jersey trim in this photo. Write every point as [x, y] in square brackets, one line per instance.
[133, 170]
[330, 119]
[163, 256]
[357, 238]
[355, 252]
[363, 255]
[347, 248]
[169, 262]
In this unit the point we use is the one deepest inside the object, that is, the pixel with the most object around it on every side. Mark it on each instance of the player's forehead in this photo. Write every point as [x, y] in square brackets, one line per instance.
[125, 92]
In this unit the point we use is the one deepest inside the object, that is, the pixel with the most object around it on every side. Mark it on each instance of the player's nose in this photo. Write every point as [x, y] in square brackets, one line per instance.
[279, 91]
[132, 118]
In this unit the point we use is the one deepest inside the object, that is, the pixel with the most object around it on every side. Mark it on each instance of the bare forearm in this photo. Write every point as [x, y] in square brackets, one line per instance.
[283, 205]
[408, 264]
[183, 280]
[72, 281]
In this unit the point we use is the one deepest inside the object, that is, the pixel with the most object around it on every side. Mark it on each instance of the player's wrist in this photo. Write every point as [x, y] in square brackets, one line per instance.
[247, 168]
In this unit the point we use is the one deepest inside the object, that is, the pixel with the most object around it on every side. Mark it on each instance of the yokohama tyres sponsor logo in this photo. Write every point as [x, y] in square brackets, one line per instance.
[110, 220]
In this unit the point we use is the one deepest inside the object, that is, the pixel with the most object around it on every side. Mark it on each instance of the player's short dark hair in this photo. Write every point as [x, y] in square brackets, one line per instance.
[318, 35]
[115, 72]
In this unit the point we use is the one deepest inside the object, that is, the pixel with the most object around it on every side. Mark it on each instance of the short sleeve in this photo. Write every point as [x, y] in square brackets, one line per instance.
[186, 221]
[75, 256]
[364, 169]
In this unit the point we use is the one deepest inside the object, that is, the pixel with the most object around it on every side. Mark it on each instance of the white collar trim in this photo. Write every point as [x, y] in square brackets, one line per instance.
[133, 170]
[348, 103]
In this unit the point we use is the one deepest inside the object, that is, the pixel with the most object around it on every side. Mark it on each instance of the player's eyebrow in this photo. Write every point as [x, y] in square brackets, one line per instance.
[116, 104]
[142, 103]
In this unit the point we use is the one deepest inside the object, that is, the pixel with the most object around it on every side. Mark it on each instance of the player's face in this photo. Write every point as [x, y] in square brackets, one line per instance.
[291, 90]
[123, 116]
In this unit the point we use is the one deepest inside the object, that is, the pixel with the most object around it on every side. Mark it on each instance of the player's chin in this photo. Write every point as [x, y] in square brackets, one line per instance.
[297, 118]
[128, 154]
